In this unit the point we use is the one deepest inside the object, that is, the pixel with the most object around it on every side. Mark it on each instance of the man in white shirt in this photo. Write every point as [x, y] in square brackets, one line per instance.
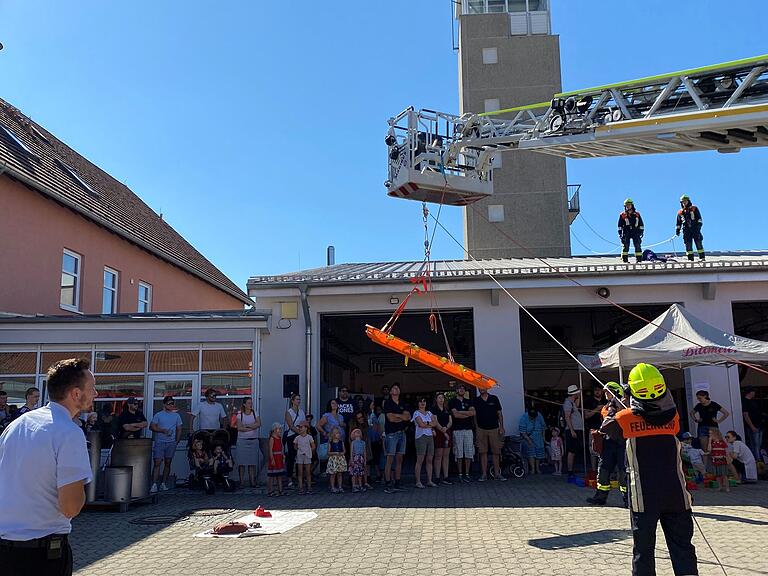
[211, 414]
[44, 467]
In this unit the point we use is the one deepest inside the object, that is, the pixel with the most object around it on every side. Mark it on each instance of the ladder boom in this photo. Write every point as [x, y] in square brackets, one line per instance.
[439, 157]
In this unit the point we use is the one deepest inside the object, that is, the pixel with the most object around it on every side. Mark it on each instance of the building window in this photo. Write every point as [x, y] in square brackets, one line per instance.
[496, 213]
[490, 56]
[492, 105]
[109, 294]
[145, 297]
[70, 281]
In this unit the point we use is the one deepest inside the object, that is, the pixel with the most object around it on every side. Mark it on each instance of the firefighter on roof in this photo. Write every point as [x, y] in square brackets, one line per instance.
[612, 454]
[657, 491]
[689, 220]
[631, 228]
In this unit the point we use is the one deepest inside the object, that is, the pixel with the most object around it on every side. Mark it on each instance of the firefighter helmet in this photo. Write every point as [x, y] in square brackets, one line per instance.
[615, 388]
[646, 382]
[685, 198]
[628, 201]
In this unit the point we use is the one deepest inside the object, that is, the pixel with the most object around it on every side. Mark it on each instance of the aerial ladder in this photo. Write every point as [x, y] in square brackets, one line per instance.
[449, 159]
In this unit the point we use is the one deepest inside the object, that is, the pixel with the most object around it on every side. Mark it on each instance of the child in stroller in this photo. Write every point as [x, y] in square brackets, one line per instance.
[511, 460]
[210, 461]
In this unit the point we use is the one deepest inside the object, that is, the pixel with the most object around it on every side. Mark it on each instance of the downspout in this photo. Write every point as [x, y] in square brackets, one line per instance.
[304, 289]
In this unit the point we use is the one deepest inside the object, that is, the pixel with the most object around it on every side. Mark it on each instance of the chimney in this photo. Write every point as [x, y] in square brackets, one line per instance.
[331, 256]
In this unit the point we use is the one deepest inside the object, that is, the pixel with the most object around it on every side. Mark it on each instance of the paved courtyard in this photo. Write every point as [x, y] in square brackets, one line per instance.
[538, 526]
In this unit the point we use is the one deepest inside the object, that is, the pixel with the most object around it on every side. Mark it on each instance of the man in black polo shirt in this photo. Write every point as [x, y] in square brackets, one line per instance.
[463, 424]
[490, 432]
[396, 419]
[131, 422]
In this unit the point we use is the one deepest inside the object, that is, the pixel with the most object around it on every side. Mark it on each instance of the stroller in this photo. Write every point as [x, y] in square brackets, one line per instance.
[208, 476]
[511, 461]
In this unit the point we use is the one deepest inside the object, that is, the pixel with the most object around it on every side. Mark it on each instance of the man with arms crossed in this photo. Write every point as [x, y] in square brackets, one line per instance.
[397, 419]
[463, 439]
[44, 466]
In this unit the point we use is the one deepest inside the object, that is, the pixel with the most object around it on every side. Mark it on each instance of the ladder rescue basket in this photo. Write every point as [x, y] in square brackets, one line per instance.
[440, 363]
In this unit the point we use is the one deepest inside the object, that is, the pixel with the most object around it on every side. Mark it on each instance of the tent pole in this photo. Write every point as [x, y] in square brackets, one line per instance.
[585, 443]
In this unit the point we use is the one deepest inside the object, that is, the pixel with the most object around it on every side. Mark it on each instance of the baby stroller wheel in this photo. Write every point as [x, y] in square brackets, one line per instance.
[518, 471]
[229, 485]
[209, 486]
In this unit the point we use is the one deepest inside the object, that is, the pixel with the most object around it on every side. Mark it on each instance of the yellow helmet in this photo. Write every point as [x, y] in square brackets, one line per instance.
[615, 389]
[646, 382]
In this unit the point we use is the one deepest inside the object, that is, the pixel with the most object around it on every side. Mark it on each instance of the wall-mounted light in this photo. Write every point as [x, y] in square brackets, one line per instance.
[394, 300]
[603, 292]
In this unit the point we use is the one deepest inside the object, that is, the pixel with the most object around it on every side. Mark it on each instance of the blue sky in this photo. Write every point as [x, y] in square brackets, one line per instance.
[257, 128]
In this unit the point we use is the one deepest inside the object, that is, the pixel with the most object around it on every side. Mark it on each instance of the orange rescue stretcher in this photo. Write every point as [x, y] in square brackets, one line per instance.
[441, 363]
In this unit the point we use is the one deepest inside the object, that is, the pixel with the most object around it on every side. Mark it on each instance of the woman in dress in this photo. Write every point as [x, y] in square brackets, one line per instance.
[248, 449]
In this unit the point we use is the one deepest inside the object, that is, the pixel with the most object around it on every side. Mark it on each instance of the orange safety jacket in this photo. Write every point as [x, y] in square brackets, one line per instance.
[654, 468]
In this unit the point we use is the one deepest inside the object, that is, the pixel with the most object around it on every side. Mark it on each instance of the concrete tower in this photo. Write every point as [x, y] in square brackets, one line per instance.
[509, 57]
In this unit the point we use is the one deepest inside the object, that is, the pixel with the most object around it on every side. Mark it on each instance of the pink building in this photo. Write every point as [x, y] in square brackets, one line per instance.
[73, 240]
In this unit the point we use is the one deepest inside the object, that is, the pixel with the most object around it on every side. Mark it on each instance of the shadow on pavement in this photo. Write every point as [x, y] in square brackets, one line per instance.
[564, 541]
[728, 518]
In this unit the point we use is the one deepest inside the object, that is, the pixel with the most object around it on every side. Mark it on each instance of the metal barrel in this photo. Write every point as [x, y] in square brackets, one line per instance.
[117, 483]
[94, 452]
[136, 453]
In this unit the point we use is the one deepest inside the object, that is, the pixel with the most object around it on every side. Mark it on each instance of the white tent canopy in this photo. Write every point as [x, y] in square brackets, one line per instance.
[659, 344]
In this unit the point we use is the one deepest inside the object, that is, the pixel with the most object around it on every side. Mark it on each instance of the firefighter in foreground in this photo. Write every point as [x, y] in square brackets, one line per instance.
[631, 229]
[657, 491]
[689, 221]
[612, 453]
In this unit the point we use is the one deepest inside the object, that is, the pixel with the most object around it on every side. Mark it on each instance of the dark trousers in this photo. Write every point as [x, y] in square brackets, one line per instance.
[34, 561]
[690, 236]
[625, 239]
[678, 532]
[611, 459]
[290, 456]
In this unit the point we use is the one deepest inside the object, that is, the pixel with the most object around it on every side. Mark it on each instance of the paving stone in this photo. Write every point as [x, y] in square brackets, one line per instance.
[536, 525]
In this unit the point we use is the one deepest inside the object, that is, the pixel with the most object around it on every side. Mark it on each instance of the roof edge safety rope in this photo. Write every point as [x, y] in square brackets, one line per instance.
[528, 312]
[570, 278]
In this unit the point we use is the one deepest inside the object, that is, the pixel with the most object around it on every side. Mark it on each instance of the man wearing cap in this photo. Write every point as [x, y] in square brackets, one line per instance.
[211, 413]
[131, 421]
[656, 483]
[463, 413]
[167, 428]
[574, 427]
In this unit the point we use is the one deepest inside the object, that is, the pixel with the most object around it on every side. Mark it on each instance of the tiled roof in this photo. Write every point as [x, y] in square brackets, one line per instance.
[452, 270]
[54, 169]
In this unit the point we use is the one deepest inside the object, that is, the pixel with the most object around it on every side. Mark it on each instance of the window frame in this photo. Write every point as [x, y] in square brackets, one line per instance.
[78, 276]
[115, 290]
[148, 286]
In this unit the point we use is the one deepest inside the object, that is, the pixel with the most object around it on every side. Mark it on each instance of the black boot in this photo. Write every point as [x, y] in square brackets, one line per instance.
[701, 256]
[599, 498]
[690, 257]
[626, 499]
